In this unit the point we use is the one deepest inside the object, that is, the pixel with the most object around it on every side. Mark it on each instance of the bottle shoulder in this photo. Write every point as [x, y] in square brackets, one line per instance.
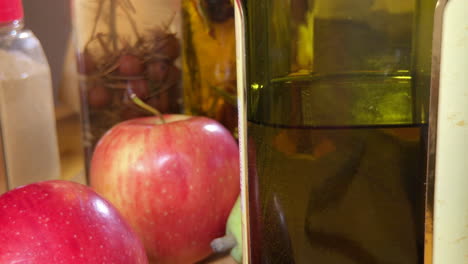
[20, 50]
[22, 40]
[21, 55]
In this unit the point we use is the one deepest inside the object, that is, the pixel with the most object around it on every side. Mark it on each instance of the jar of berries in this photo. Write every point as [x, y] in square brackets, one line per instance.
[125, 48]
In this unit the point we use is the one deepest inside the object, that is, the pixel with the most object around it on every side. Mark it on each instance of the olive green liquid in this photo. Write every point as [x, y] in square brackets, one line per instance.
[336, 105]
[336, 171]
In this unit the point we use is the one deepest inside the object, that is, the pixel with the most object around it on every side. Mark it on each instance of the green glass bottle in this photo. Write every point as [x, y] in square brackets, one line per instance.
[334, 99]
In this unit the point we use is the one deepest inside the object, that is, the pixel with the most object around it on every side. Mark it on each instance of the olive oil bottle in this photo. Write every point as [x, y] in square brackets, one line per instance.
[333, 128]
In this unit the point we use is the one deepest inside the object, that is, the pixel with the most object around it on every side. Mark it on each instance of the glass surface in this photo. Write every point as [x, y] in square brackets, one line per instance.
[125, 47]
[336, 103]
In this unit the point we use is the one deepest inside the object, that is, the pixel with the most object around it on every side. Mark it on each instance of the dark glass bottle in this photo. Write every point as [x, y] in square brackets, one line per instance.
[336, 97]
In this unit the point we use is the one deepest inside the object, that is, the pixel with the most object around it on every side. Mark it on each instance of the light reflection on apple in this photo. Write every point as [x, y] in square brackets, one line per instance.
[212, 128]
[101, 207]
[162, 160]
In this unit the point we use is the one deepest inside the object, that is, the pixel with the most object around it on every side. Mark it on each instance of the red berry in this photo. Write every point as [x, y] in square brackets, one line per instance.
[130, 65]
[168, 46]
[99, 96]
[157, 71]
[139, 88]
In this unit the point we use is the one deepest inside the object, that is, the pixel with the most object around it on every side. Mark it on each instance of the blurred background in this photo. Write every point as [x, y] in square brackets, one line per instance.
[50, 21]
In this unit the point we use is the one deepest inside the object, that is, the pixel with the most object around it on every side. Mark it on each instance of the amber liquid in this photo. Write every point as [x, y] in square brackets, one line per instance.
[336, 194]
[210, 61]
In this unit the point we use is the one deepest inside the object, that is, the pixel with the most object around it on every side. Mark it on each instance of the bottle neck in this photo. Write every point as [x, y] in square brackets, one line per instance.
[11, 27]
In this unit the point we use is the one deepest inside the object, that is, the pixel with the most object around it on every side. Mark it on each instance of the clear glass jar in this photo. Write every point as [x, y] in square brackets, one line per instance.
[210, 60]
[335, 129]
[123, 47]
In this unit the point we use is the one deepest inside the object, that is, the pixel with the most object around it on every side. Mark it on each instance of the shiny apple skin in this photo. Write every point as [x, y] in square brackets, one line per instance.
[64, 222]
[175, 183]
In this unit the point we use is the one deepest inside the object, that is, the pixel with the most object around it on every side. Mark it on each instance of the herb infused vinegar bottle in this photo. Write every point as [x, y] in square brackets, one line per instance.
[209, 49]
[333, 121]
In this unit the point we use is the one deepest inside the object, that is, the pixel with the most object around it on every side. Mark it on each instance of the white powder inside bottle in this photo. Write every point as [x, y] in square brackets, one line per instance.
[27, 122]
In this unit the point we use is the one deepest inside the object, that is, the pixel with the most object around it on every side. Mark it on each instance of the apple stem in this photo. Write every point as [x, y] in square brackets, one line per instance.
[145, 106]
[223, 244]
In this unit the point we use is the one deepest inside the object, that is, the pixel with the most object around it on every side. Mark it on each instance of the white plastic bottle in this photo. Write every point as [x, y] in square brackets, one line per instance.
[449, 133]
[28, 139]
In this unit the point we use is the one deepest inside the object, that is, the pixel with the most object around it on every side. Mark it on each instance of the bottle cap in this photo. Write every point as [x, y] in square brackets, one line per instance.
[11, 10]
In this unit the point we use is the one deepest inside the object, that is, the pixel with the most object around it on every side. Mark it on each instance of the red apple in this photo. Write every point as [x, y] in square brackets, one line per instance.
[175, 182]
[64, 222]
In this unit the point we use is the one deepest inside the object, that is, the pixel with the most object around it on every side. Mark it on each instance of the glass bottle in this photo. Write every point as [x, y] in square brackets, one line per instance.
[123, 47]
[28, 137]
[447, 135]
[210, 60]
[334, 107]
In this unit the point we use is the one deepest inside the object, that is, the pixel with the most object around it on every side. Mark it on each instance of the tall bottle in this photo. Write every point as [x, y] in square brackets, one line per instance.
[334, 101]
[448, 132]
[29, 150]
